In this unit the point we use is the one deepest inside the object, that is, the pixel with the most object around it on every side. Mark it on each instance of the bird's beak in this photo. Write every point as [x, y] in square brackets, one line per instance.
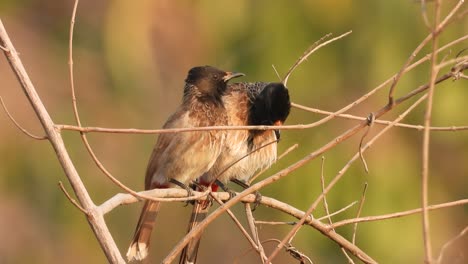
[230, 75]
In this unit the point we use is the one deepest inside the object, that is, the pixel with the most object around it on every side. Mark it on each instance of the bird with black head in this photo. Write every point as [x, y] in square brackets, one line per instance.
[245, 151]
[179, 158]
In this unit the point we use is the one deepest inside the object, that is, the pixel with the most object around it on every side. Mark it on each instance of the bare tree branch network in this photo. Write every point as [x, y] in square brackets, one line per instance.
[364, 131]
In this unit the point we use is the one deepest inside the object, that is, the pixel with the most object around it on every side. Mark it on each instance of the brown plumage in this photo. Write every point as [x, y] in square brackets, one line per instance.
[185, 156]
[246, 104]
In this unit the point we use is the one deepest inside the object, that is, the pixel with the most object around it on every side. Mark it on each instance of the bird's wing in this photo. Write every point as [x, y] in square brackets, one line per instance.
[183, 156]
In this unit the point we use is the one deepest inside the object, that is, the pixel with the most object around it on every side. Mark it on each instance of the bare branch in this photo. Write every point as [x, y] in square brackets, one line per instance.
[379, 122]
[449, 243]
[316, 46]
[26, 132]
[338, 211]
[398, 214]
[325, 205]
[238, 224]
[274, 223]
[361, 204]
[96, 220]
[436, 31]
[73, 201]
[426, 139]
[254, 232]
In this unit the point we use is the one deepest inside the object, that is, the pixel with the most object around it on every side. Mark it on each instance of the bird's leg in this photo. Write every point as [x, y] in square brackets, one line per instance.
[226, 189]
[183, 186]
[258, 196]
[201, 186]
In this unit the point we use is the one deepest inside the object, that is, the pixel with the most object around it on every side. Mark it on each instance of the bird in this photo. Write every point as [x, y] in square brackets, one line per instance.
[179, 158]
[245, 151]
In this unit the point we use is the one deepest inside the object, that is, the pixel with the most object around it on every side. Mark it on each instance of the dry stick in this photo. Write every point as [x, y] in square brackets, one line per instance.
[288, 249]
[274, 223]
[361, 204]
[302, 58]
[380, 122]
[424, 14]
[291, 127]
[318, 219]
[426, 139]
[95, 219]
[398, 214]
[316, 46]
[450, 242]
[254, 231]
[125, 199]
[73, 201]
[340, 174]
[338, 212]
[370, 123]
[325, 205]
[70, 63]
[438, 28]
[238, 224]
[85, 139]
[83, 136]
[26, 132]
[350, 132]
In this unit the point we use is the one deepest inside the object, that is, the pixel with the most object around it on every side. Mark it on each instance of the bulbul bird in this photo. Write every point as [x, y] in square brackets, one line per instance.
[246, 104]
[179, 158]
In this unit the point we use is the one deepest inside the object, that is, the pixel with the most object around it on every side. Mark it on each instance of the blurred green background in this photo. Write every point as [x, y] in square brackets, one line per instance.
[131, 58]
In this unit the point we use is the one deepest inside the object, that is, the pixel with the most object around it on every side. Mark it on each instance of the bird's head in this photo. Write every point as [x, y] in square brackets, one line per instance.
[210, 81]
[271, 106]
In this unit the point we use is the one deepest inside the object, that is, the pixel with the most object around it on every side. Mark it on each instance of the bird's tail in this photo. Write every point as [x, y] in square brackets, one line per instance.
[138, 249]
[199, 212]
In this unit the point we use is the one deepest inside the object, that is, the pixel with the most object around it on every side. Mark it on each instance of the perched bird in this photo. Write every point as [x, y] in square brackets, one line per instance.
[179, 158]
[246, 104]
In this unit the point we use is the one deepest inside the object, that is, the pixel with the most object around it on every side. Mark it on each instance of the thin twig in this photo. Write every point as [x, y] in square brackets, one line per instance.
[338, 212]
[26, 132]
[70, 63]
[370, 124]
[254, 232]
[78, 121]
[96, 220]
[325, 205]
[346, 135]
[273, 223]
[73, 201]
[311, 125]
[361, 204]
[277, 74]
[424, 14]
[340, 174]
[399, 214]
[304, 56]
[238, 224]
[316, 46]
[449, 243]
[426, 139]
[436, 31]
[379, 122]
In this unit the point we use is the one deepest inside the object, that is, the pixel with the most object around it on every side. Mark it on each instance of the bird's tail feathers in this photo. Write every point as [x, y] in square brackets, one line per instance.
[138, 249]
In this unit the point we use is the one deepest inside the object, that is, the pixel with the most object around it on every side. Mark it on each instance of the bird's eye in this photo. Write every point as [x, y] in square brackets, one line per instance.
[215, 77]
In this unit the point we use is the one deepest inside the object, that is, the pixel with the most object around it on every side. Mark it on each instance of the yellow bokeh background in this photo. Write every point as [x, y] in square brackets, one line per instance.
[130, 60]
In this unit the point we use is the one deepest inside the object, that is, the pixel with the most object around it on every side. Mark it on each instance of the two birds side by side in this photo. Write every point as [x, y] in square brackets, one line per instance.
[214, 156]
